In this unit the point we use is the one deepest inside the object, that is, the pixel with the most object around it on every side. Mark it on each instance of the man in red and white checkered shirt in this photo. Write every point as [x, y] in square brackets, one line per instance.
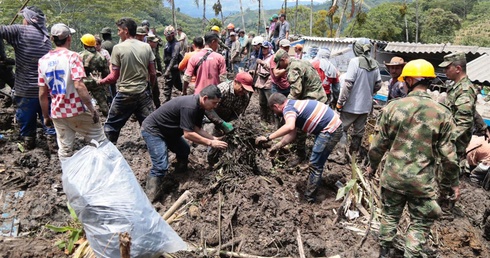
[60, 75]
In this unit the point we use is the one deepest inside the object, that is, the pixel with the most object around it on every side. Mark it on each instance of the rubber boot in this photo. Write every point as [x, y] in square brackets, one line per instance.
[112, 136]
[386, 252]
[181, 166]
[52, 143]
[153, 187]
[355, 144]
[29, 142]
[314, 179]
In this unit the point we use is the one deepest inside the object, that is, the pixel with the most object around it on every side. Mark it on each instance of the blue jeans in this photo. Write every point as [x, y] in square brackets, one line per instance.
[323, 146]
[158, 148]
[28, 110]
[284, 92]
[123, 106]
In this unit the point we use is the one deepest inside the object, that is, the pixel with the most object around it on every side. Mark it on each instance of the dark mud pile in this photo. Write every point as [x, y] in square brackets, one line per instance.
[258, 203]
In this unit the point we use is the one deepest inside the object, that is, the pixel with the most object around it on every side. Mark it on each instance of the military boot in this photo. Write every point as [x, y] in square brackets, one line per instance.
[153, 187]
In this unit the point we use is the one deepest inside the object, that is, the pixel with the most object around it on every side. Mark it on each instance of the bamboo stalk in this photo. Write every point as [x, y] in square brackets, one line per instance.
[176, 205]
[300, 245]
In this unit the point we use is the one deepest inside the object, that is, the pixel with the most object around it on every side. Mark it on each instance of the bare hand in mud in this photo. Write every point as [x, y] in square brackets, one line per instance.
[276, 147]
[261, 140]
[219, 144]
[456, 193]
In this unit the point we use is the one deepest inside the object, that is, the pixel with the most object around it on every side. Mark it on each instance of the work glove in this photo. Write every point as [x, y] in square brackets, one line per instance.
[339, 107]
[227, 127]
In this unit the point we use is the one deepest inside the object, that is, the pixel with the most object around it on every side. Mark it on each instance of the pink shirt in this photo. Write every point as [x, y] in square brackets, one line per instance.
[58, 70]
[209, 71]
[281, 82]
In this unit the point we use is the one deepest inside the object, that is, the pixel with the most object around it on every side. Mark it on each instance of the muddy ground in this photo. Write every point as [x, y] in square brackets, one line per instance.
[262, 205]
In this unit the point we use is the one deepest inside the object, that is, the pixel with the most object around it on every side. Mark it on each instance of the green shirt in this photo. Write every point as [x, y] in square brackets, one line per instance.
[414, 132]
[133, 58]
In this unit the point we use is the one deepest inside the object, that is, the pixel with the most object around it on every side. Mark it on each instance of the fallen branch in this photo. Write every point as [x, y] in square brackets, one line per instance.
[235, 254]
[176, 205]
[300, 245]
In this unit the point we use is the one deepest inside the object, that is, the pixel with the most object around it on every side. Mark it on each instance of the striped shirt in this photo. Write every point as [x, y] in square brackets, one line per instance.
[29, 45]
[312, 116]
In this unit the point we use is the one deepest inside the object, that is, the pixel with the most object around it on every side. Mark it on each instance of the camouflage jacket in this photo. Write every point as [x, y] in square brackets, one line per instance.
[415, 132]
[461, 99]
[304, 81]
[93, 62]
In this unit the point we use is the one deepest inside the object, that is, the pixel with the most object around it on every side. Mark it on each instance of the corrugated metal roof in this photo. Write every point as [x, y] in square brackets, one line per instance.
[322, 39]
[406, 47]
[478, 70]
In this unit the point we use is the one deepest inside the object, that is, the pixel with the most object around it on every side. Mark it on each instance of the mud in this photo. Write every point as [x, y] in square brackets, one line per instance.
[262, 204]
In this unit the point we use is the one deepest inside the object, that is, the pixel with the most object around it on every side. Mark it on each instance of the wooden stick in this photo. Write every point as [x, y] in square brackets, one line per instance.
[236, 254]
[176, 205]
[300, 245]
[125, 244]
[219, 221]
[17, 14]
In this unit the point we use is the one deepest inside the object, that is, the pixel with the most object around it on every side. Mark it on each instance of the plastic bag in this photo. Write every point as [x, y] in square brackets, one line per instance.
[108, 200]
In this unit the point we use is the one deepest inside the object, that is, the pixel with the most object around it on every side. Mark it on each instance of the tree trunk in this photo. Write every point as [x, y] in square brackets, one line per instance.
[241, 12]
[263, 15]
[204, 15]
[174, 19]
[416, 21]
[258, 23]
[339, 29]
[296, 19]
[285, 7]
[311, 17]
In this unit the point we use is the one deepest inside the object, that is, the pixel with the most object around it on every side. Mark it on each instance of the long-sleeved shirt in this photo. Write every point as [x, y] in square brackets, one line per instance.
[461, 99]
[414, 132]
[230, 105]
[304, 81]
[29, 45]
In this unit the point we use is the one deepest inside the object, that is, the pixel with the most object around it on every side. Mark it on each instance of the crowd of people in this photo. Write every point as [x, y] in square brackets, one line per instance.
[421, 141]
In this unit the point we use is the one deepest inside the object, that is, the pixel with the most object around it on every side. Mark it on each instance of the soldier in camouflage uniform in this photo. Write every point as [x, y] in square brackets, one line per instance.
[304, 83]
[171, 58]
[461, 99]
[413, 132]
[94, 62]
[107, 43]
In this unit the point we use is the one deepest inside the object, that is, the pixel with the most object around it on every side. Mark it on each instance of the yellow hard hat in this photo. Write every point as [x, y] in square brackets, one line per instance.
[418, 68]
[215, 28]
[88, 40]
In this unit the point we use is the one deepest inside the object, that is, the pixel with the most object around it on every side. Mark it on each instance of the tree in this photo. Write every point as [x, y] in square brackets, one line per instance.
[383, 22]
[475, 29]
[320, 28]
[439, 26]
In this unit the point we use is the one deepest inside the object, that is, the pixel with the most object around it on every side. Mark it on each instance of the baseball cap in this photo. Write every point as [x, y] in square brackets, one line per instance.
[232, 33]
[140, 30]
[246, 80]
[106, 30]
[284, 43]
[275, 16]
[449, 59]
[279, 55]
[266, 44]
[61, 31]
[396, 60]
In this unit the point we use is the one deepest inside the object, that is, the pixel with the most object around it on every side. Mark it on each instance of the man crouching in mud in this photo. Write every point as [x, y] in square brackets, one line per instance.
[313, 117]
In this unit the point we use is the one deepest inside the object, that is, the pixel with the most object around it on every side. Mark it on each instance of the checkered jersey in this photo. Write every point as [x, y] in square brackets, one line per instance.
[58, 70]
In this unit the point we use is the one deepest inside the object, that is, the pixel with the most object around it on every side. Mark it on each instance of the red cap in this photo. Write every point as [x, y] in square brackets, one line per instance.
[246, 80]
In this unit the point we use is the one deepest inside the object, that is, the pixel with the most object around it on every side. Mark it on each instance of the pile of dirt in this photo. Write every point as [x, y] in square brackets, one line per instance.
[247, 203]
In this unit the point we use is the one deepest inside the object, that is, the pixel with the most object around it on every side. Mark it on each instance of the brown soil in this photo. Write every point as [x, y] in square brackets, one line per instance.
[261, 201]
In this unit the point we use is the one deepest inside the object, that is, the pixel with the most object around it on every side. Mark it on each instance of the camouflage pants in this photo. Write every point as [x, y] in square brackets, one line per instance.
[99, 94]
[423, 212]
[173, 81]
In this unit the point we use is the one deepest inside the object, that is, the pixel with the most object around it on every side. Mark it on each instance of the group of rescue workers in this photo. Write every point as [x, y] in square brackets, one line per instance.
[421, 140]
